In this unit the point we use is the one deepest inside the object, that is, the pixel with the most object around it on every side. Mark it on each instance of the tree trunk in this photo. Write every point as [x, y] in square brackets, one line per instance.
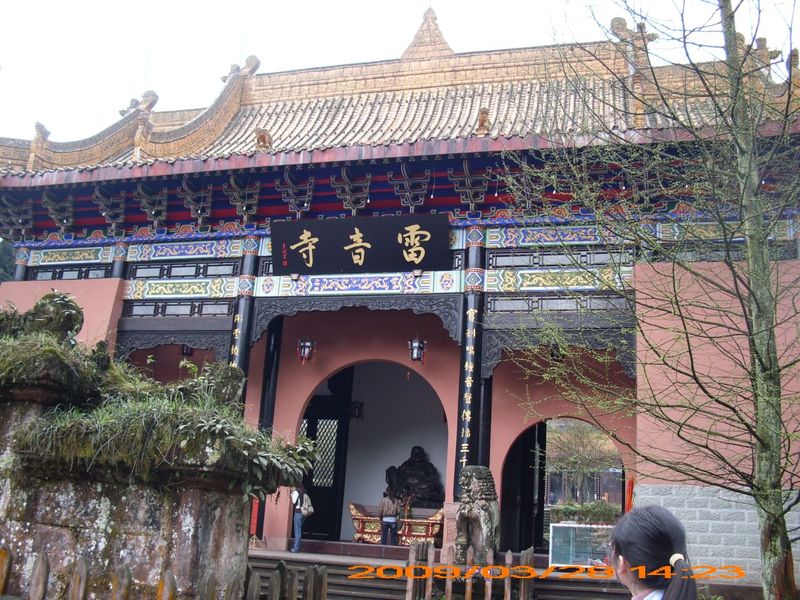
[777, 578]
[776, 552]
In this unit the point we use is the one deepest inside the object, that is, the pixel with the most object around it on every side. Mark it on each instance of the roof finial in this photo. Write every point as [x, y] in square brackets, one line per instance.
[429, 41]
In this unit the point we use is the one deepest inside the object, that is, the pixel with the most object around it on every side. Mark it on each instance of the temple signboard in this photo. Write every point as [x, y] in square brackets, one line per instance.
[361, 245]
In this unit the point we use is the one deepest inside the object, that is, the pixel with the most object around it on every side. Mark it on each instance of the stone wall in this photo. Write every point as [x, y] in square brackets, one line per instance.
[721, 527]
[189, 527]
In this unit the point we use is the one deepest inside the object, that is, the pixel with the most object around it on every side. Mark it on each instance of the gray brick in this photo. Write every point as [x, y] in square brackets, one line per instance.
[711, 515]
[733, 540]
[697, 502]
[714, 538]
[699, 527]
[744, 552]
[719, 527]
[741, 527]
[674, 502]
[754, 541]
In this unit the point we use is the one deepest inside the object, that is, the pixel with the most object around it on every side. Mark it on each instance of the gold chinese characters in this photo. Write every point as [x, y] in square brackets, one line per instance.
[412, 241]
[307, 244]
[358, 247]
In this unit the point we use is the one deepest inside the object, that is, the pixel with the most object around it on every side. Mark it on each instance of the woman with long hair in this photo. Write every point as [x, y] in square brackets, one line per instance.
[648, 552]
[301, 503]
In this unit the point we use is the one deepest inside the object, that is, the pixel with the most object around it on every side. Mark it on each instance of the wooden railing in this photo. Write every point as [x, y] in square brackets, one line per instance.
[311, 583]
[421, 588]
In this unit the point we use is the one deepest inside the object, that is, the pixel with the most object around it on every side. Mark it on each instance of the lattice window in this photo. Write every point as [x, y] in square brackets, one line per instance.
[531, 303]
[182, 270]
[178, 308]
[265, 266]
[324, 469]
[555, 258]
[68, 272]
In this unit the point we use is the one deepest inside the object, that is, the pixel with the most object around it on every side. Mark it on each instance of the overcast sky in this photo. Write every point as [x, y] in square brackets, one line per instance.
[74, 64]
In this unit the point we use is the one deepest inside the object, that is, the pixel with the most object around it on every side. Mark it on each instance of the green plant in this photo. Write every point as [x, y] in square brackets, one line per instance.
[42, 360]
[117, 419]
[55, 313]
[599, 512]
[144, 430]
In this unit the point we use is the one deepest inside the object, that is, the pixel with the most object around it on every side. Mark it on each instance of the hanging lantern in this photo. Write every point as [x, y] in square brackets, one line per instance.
[416, 349]
[305, 350]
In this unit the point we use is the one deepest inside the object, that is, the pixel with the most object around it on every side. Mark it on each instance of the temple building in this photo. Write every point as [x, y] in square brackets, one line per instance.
[344, 236]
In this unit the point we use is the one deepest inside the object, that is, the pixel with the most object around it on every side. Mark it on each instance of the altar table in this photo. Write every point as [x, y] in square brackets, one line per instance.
[424, 526]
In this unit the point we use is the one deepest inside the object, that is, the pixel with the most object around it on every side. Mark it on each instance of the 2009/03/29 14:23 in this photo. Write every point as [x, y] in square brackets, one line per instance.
[527, 572]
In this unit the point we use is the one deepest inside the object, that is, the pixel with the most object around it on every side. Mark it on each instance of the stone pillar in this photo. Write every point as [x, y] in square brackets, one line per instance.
[21, 261]
[120, 258]
[470, 371]
[242, 319]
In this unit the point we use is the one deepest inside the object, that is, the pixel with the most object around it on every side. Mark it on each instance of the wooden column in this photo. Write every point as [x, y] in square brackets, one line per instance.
[120, 258]
[21, 261]
[469, 389]
[243, 318]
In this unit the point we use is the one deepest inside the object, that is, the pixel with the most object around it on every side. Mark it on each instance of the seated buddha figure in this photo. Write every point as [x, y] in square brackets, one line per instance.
[419, 477]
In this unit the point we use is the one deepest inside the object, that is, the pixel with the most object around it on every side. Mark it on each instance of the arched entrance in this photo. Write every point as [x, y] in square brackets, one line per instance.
[366, 418]
[553, 465]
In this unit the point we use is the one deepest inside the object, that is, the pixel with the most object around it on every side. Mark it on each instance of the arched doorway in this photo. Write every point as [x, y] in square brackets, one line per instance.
[553, 465]
[366, 418]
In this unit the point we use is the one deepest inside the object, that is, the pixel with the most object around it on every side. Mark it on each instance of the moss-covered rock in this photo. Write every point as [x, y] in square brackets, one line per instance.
[146, 431]
[38, 367]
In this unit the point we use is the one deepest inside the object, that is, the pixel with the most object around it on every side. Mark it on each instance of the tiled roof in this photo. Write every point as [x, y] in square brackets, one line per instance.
[518, 108]
[429, 94]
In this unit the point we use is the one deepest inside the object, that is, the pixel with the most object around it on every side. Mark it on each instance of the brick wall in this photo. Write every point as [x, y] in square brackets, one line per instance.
[721, 527]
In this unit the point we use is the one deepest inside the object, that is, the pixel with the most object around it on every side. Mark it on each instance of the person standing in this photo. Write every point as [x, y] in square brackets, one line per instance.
[387, 511]
[648, 552]
[302, 509]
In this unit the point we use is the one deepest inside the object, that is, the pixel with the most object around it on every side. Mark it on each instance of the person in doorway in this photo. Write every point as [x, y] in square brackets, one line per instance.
[387, 511]
[301, 503]
[647, 540]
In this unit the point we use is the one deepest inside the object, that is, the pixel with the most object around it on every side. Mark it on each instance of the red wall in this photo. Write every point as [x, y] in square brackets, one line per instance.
[716, 352]
[100, 299]
[162, 362]
[519, 403]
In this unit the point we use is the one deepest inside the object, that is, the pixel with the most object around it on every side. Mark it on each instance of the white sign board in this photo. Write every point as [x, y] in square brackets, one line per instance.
[579, 544]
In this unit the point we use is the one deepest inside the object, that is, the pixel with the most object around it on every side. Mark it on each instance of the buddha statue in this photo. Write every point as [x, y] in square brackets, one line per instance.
[419, 477]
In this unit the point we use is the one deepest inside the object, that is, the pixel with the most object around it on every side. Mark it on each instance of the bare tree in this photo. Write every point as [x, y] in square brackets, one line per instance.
[579, 452]
[686, 173]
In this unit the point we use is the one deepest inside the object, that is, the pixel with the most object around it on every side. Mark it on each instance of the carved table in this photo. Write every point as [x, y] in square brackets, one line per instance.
[426, 527]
